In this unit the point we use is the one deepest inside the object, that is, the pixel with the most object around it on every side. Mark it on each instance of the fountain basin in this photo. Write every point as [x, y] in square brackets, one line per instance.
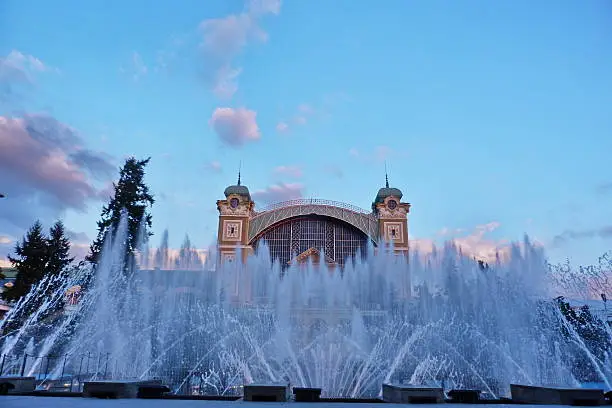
[19, 384]
[115, 389]
[303, 394]
[409, 394]
[528, 394]
[275, 392]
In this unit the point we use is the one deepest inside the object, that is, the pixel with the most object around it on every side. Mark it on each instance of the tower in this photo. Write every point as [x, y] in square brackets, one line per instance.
[392, 217]
[234, 215]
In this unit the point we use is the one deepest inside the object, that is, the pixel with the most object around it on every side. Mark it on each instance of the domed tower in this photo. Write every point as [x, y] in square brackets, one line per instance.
[392, 217]
[234, 215]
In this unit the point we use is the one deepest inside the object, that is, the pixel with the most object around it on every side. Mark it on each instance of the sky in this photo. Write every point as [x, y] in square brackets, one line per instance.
[493, 118]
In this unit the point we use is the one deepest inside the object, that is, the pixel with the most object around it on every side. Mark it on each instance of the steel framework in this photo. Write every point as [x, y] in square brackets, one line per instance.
[336, 239]
[364, 221]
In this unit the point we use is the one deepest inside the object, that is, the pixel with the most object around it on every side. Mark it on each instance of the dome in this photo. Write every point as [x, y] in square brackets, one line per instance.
[238, 190]
[387, 192]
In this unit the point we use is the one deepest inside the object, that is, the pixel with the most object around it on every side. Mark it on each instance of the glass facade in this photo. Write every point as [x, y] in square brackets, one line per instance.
[336, 239]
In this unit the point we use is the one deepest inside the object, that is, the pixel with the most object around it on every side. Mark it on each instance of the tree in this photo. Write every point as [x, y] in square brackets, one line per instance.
[132, 195]
[592, 331]
[59, 249]
[30, 261]
[38, 256]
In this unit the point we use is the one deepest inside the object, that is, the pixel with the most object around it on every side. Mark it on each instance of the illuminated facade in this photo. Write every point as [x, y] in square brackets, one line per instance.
[310, 229]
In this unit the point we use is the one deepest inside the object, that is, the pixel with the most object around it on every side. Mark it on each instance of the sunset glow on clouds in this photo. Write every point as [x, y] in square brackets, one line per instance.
[503, 120]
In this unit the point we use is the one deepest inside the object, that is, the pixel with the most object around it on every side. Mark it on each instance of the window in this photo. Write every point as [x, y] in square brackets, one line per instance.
[337, 239]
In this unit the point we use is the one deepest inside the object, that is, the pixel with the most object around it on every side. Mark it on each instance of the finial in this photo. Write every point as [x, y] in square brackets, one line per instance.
[386, 176]
[239, 167]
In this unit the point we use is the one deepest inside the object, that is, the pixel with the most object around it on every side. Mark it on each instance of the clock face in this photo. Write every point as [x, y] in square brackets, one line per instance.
[392, 204]
[234, 202]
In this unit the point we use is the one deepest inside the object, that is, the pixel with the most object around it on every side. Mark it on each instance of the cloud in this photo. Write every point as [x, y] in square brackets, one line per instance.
[136, 68]
[223, 39]
[570, 235]
[98, 164]
[235, 127]
[18, 69]
[279, 192]
[334, 171]
[605, 188]
[4, 240]
[45, 169]
[302, 115]
[282, 127]
[291, 171]
[213, 166]
[476, 243]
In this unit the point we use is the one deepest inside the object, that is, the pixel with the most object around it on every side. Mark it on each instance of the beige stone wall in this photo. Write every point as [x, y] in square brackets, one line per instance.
[233, 229]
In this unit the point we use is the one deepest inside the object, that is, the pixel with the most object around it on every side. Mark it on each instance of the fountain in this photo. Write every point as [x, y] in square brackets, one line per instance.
[439, 319]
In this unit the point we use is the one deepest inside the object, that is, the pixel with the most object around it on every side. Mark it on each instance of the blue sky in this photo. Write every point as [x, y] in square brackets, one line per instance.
[494, 118]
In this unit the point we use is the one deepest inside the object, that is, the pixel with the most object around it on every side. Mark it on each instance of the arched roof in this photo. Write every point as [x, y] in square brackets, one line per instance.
[361, 219]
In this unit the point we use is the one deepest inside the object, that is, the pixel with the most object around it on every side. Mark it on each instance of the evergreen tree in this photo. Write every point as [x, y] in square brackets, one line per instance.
[132, 195]
[30, 261]
[59, 249]
[592, 331]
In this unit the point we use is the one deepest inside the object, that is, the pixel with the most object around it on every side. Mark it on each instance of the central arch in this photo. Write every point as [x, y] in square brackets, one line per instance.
[312, 237]
[358, 218]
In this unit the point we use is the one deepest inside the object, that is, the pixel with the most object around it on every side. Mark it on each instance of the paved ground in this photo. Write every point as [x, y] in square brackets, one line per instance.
[58, 402]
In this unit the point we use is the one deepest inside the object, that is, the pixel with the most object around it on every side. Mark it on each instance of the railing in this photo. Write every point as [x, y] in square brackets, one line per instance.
[68, 373]
[57, 372]
[313, 201]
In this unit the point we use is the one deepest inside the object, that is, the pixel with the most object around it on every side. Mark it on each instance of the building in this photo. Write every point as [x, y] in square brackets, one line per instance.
[310, 229]
[9, 277]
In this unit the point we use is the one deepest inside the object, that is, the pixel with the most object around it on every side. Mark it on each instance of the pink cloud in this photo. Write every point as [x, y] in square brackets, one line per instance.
[235, 127]
[300, 118]
[223, 39]
[45, 168]
[282, 127]
[292, 171]
[279, 192]
[4, 240]
[475, 243]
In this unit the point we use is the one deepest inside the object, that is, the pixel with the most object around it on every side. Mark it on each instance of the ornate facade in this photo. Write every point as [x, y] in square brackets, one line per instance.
[310, 229]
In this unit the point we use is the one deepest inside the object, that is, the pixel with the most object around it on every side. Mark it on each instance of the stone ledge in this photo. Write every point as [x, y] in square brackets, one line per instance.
[115, 389]
[19, 384]
[278, 392]
[529, 394]
[408, 394]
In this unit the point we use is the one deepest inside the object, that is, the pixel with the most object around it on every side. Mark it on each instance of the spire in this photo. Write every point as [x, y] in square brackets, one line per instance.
[239, 167]
[386, 176]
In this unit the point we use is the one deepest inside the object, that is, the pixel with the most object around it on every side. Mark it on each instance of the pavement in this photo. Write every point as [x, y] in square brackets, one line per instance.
[16, 401]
